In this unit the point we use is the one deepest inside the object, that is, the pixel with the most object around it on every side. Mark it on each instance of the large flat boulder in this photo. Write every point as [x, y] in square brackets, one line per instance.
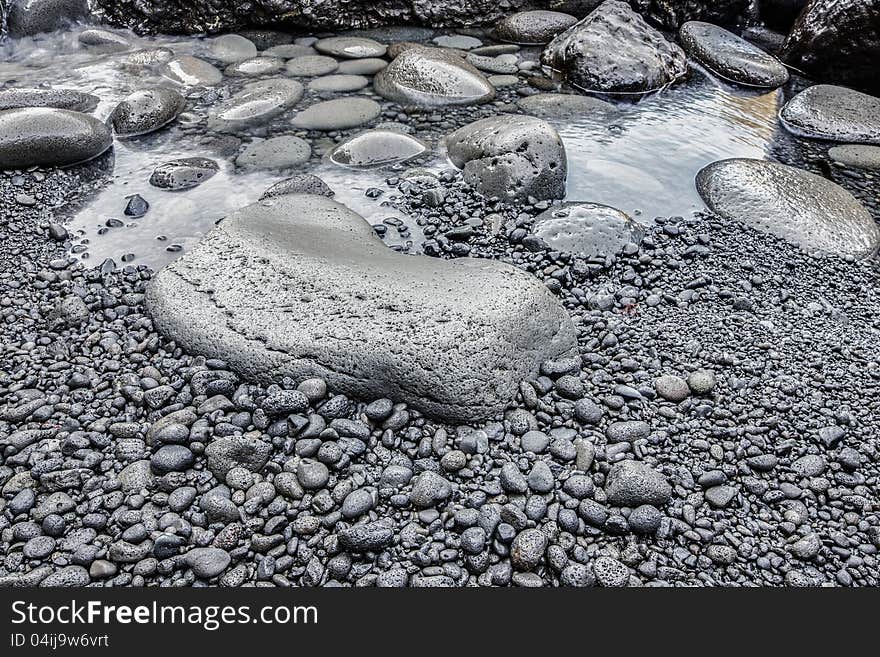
[614, 50]
[300, 286]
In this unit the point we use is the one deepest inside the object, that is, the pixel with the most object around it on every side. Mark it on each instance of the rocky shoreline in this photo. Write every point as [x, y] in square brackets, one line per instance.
[709, 418]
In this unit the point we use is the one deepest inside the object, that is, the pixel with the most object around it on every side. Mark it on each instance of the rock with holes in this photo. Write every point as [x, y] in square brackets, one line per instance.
[826, 111]
[69, 99]
[301, 286]
[146, 111]
[29, 17]
[798, 206]
[591, 230]
[431, 77]
[510, 156]
[731, 57]
[613, 49]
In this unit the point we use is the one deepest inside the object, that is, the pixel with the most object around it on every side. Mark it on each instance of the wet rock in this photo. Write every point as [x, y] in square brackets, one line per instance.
[255, 66]
[289, 51]
[482, 326]
[633, 483]
[731, 57]
[672, 388]
[311, 66]
[184, 173]
[793, 204]
[256, 104]
[837, 41]
[29, 17]
[231, 48]
[614, 50]
[377, 147]
[68, 99]
[562, 106]
[136, 207]
[430, 77]
[834, 113]
[337, 114]
[589, 229]
[149, 57]
[780, 14]
[368, 66]
[146, 111]
[304, 183]
[350, 47]
[192, 72]
[671, 14]
[368, 537]
[275, 153]
[104, 40]
[48, 136]
[856, 156]
[338, 83]
[533, 27]
[512, 157]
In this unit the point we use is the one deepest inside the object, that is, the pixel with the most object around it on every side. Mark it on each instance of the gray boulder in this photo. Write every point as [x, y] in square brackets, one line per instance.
[300, 286]
[613, 49]
[69, 99]
[256, 104]
[430, 77]
[533, 27]
[510, 156]
[48, 136]
[337, 114]
[29, 17]
[731, 57]
[633, 483]
[589, 229]
[192, 72]
[798, 206]
[825, 111]
[185, 173]
[837, 41]
[377, 147]
[146, 111]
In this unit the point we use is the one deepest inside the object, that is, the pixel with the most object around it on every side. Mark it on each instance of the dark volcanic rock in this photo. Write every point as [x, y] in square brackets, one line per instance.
[510, 156]
[465, 332]
[780, 14]
[533, 27]
[798, 206]
[184, 173]
[146, 111]
[27, 17]
[826, 111]
[615, 50]
[673, 13]
[42, 135]
[731, 57]
[837, 41]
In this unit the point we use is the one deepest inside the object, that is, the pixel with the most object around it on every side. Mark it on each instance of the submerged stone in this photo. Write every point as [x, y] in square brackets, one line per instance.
[510, 156]
[731, 57]
[614, 50]
[303, 183]
[337, 114]
[184, 173]
[377, 147]
[255, 66]
[825, 111]
[562, 106]
[281, 152]
[798, 206]
[301, 286]
[69, 99]
[431, 77]
[350, 47]
[231, 48]
[192, 72]
[589, 229]
[311, 66]
[49, 136]
[256, 104]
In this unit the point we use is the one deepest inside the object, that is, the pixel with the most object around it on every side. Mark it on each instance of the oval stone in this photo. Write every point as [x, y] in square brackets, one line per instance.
[589, 229]
[337, 114]
[350, 47]
[192, 72]
[68, 99]
[826, 111]
[533, 27]
[146, 111]
[49, 136]
[376, 148]
[256, 104]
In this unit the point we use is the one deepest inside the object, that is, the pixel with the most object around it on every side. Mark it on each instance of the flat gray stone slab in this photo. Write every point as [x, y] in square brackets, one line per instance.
[430, 77]
[49, 136]
[826, 111]
[798, 206]
[731, 57]
[301, 286]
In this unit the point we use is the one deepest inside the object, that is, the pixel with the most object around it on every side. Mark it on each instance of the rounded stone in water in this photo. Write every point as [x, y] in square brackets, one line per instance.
[257, 103]
[337, 114]
[49, 136]
[338, 83]
[256, 66]
[432, 78]
[68, 99]
[182, 174]
[376, 148]
[311, 66]
[104, 40]
[289, 51]
[826, 111]
[231, 48]
[146, 111]
[281, 152]
[29, 17]
[562, 106]
[588, 229]
[149, 57]
[368, 66]
[533, 27]
[192, 72]
[798, 206]
[856, 156]
[731, 57]
[350, 47]
[303, 183]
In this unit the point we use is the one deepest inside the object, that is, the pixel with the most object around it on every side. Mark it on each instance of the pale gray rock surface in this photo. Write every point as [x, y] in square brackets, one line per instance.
[463, 333]
[49, 136]
[826, 111]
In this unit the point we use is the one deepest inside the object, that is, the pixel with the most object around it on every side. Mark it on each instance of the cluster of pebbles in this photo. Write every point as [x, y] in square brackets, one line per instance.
[554, 394]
